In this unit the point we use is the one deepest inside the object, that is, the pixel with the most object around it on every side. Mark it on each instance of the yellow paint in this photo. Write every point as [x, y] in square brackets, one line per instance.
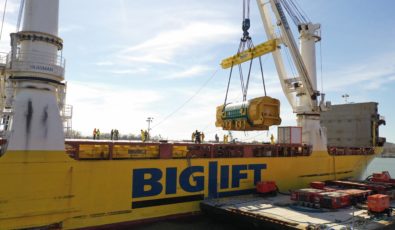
[249, 54]
[257, 114]
[180, 151]
[39, 188]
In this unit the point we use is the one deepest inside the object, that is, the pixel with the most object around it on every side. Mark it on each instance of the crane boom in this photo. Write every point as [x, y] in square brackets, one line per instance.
[301, 90]
[296, 56]
[306, 89]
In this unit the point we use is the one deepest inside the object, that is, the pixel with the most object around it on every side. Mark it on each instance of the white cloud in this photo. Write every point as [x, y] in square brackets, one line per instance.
[70, 28]
[5, 37]
[107, 107]
[189, 72]
[378, 83]
[375, 72]
[166, 45]
[12, 6]
[104, 63]
[128, 71]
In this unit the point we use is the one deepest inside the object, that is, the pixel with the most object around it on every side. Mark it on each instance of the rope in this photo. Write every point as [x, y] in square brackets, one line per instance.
[304, 15]
[287, 7]
[241, 79]
[230, 75]
[290, 63]
[245, 43]
[227, 88]
[263, 78]
[248, 81]
[297, 15]
[2, 21]
[187, 101]
[20, 15]
[246, 9]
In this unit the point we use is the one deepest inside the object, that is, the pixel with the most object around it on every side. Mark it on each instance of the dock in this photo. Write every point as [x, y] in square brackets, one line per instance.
[279, 212]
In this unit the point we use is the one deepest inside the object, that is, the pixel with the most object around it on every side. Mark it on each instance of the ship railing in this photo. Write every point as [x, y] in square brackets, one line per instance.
[38, 57]
[67, 112]
[347, 151]
[36, 61]
[3, 58]
[118, 150]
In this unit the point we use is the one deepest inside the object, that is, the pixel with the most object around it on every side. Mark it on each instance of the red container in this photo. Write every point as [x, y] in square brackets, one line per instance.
[381, 177]
[266, 187]
[317, 185]
[294, 196]
[378, 203]
[329, 189]
[357, 194]
[334, 200]
[306, 195]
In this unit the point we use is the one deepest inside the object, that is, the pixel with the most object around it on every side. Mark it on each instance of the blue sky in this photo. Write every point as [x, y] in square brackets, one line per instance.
[132, 59]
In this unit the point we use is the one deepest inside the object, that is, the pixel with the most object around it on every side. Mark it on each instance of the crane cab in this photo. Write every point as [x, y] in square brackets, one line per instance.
[255, 114]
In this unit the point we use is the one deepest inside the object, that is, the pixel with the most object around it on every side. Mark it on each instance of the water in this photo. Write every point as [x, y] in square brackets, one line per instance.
[211, 223]
[381, 164]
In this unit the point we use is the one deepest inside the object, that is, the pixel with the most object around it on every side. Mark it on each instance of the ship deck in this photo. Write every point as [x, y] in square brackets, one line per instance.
[279, 212]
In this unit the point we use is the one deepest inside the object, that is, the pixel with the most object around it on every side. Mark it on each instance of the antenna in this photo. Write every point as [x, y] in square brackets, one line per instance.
[149, 121]
[345, 96]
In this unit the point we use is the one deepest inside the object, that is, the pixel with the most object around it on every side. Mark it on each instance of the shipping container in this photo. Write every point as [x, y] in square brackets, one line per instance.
[306, 195]
[289, 135]
[334, 200]
[357, 195]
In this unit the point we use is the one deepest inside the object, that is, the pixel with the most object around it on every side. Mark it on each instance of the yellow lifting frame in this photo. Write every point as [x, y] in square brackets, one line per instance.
[249, 54]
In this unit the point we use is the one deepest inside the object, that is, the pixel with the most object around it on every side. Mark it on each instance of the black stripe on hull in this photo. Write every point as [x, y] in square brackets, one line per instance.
[164, 201]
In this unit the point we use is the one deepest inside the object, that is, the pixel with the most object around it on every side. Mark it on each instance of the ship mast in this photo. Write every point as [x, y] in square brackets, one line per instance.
[35, 73]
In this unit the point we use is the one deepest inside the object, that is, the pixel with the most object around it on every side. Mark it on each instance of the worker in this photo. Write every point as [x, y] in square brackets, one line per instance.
[197, 137]
[202, 136]
[98, 134]
[226, 139]
[272, 139]
[142, 133]
[112, 134]
[216, 138]
[116, 134]
[94, 133]
[146, 134]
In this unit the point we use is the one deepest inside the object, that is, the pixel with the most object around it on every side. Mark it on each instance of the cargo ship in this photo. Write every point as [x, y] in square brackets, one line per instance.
[49, 182]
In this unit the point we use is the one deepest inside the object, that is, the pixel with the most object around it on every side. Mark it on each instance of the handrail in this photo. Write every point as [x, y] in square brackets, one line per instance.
[117, 150]
[3, 57]
[37, 57]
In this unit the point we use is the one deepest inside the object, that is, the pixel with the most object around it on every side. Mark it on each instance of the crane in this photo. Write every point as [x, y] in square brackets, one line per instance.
[301, 90]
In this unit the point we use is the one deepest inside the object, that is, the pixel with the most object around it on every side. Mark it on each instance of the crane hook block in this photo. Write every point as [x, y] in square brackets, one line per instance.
[256, 114]
[257, 51]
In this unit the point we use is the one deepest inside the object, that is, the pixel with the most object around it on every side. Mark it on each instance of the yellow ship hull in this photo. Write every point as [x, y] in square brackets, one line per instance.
[50, 188]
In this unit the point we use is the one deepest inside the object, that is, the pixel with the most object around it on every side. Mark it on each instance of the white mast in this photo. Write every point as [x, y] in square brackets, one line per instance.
[36, 73]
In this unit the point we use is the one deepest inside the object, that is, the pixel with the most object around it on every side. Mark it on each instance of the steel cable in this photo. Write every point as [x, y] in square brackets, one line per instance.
[187, 101]
[2, 21]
